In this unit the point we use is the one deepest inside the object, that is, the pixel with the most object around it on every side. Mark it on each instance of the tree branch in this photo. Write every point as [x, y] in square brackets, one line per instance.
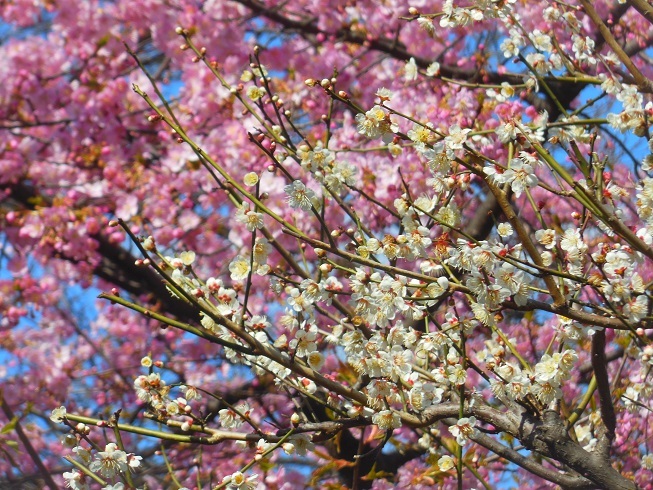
[643, 83]
[603, 386]
[549, 437]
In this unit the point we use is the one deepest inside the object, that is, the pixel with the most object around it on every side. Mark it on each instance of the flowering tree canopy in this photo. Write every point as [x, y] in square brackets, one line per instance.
[334, 244]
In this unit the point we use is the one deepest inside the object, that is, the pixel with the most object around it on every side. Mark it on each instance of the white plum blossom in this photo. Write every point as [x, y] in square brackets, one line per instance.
[387, 420]
[583, 49]
[251, 179]
[261, 251]
[421, 134]
[539, 63]
[255, 93]
[512, 279]
[251, 219]
[305, 341]
[384, 94]
[400, 362]
[463, 430]
[426, 23]
[301, 444]
[308, 385]
[410, 70]
[645, 200]
[76, 480]
[504, 230]
[546, 238]
[438, 158]
[110, 462]
[233, 418]
[520, 175]
[82, 454]
[445, 463]
[438, 288]
[239, 268]
[376, 123]
[573, 244]
[299, 301]
[647, 461]
[637, 308]
[239, 481]
[510, 45]
[456, 138]
[58, 415]
[152, 389]
[541, 41]
[423, 394]
[317, 159]
[548, 369]
[508, 131]
[315, 360]
[433, 69]
[299, 196]
[449, 215]
[456, 374]
[507, 91]
[187, 257]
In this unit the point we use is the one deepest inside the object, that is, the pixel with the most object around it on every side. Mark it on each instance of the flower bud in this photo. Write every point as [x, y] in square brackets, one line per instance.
[149, 244]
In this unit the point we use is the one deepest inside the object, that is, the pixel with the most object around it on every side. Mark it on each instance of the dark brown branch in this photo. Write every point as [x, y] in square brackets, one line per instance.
[117, 265]
[603, 385]
[28, 445]
[547, 436]
[550, 438]
[643, 8]
[484, 219]
[643, 83]
[590, 319]
[391, 47]
[566, 481]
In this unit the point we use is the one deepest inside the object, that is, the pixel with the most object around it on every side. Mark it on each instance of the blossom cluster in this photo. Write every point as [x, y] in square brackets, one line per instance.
[414, 231]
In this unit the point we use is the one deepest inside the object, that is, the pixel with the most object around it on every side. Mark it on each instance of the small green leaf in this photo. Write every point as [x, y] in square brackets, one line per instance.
[10, 426]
